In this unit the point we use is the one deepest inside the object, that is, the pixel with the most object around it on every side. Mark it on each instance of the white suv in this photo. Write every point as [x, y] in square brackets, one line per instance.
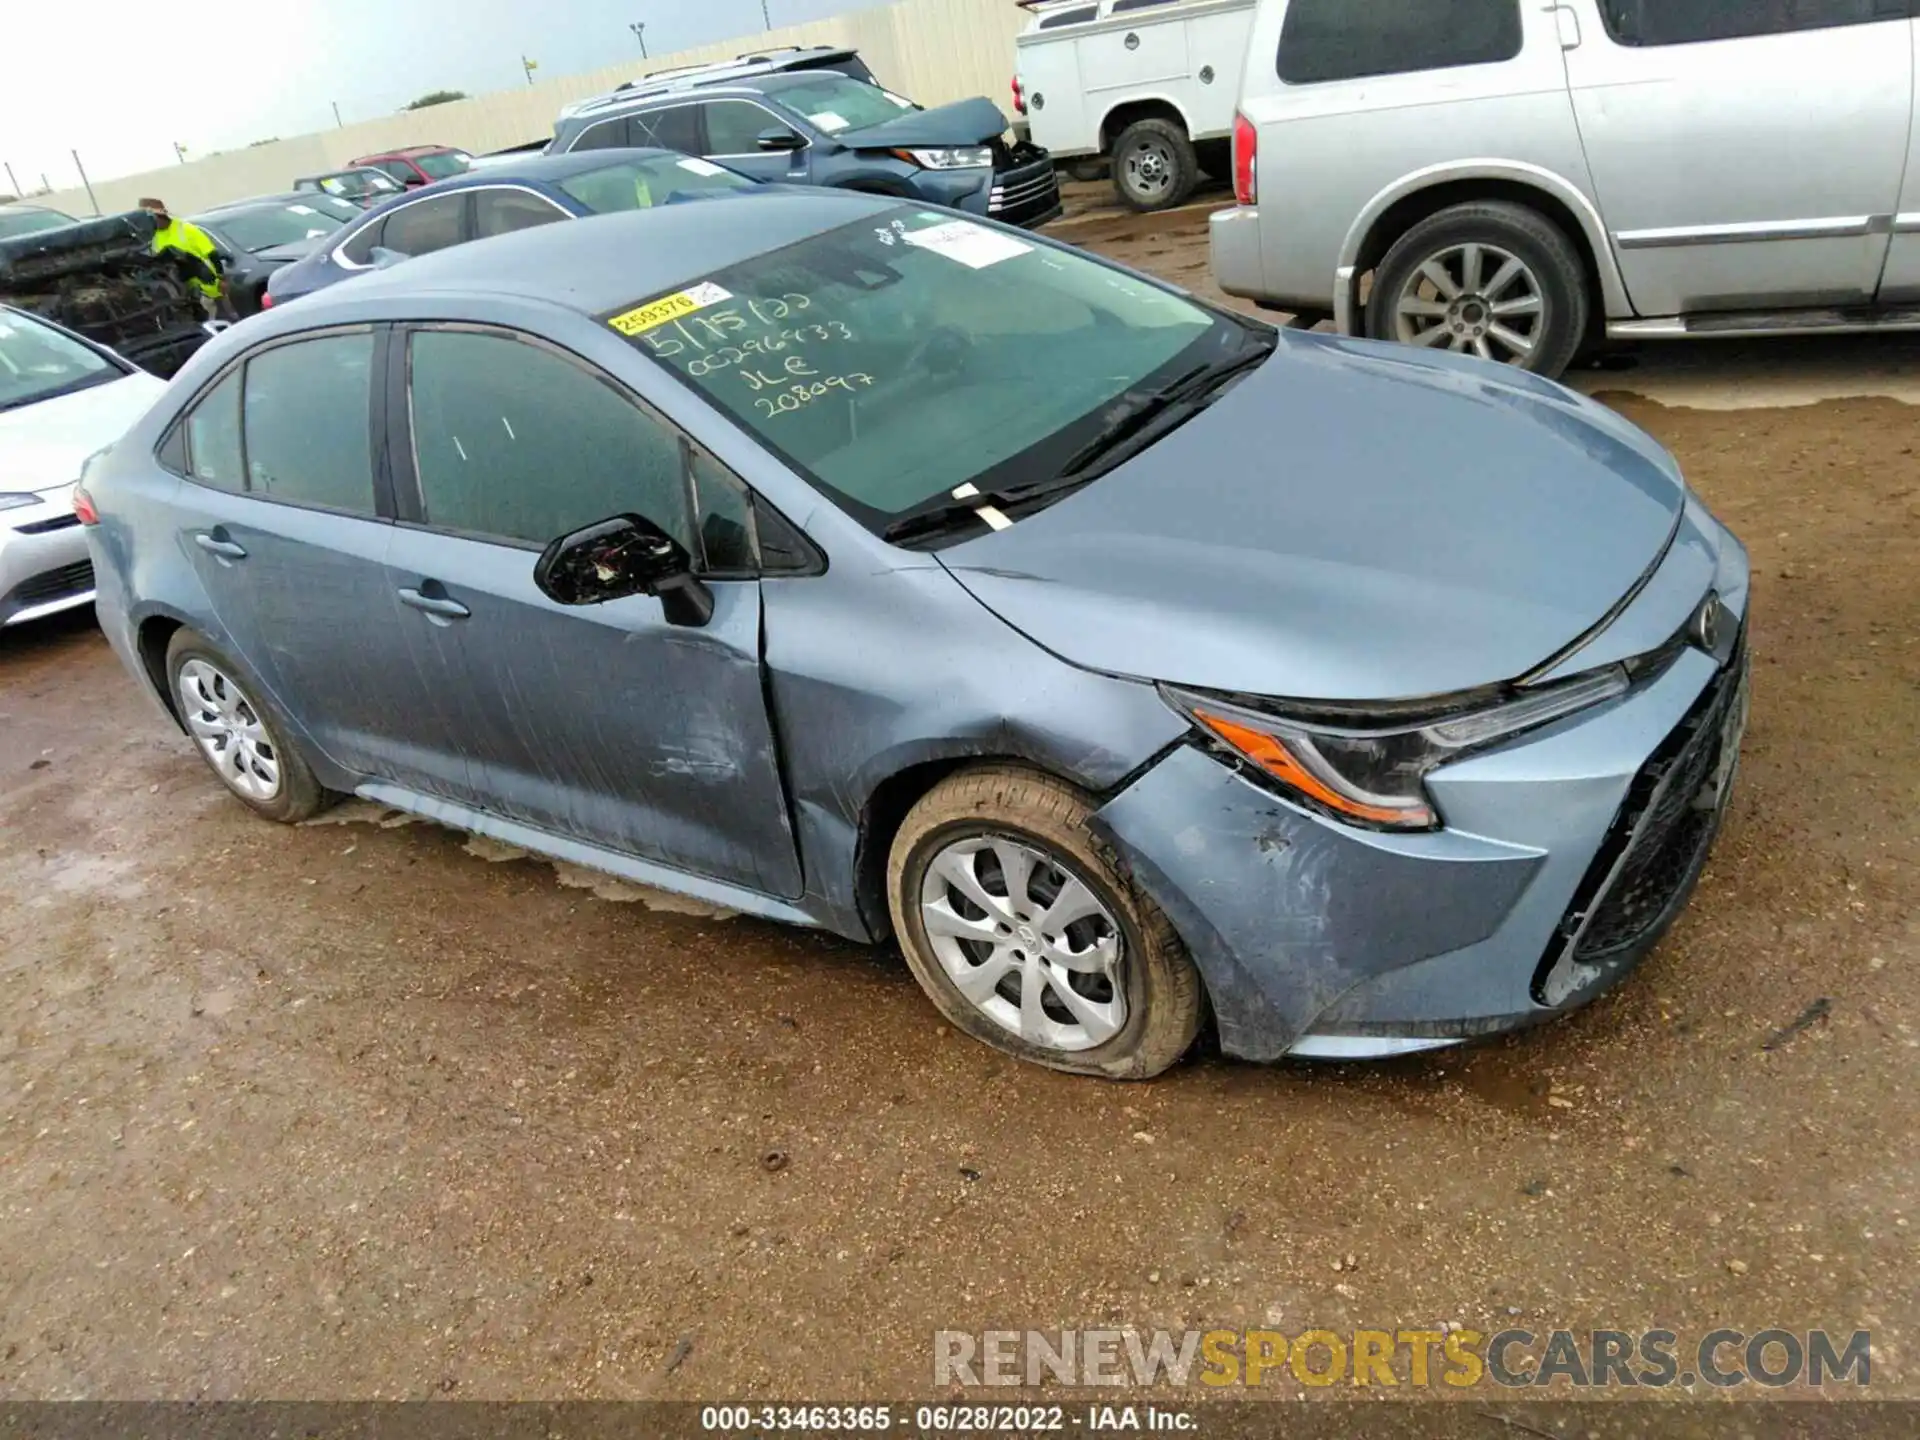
[1517, 179]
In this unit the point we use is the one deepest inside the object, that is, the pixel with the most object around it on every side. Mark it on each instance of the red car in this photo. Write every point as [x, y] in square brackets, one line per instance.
[420, 164]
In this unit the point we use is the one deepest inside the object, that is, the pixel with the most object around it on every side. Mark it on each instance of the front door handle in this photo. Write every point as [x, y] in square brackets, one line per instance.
[218, 545]
[438, 608]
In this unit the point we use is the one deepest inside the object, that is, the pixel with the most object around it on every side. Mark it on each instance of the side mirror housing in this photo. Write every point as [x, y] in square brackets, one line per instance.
[413, 182]
[778, 137]
[625, 555]
[383, 258]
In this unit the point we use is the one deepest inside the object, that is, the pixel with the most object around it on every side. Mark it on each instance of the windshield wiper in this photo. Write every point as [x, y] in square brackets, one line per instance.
[1147, 417]
[1136, 424]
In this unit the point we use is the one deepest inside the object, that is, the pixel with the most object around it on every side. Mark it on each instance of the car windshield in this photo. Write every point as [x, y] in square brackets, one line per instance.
[659, 180]
[264, 226]
[360, 182]
[442, 163]
[37, 362]
[28, 220]
[835, 102]
[900, 358]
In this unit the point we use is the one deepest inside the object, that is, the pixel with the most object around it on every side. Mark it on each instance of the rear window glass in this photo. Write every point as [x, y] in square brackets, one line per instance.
[1325, 40]
[1687, 22]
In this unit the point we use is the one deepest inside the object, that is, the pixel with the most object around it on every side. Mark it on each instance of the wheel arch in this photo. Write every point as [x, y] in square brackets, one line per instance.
[1400, 206]
[1140, 107]
[152, 635]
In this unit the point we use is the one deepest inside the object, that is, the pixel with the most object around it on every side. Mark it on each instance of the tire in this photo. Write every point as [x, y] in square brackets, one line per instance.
[215, 699]
[1142, 985]
[1471, 320]
[1154, 166]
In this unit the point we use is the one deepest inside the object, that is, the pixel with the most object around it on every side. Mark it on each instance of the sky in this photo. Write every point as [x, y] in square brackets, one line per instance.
[121, 81]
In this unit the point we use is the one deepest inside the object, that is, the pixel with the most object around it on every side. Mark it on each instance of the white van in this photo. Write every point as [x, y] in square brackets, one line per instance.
[1517, 180]
[1148, 83]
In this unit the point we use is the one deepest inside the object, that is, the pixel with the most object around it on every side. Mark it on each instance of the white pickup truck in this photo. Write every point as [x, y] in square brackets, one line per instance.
[1149, 84]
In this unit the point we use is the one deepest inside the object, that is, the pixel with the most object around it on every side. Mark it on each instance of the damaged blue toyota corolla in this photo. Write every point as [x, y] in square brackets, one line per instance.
[862, 566]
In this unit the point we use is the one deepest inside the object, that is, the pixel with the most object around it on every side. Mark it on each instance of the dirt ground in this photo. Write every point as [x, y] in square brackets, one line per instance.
[354, 1110]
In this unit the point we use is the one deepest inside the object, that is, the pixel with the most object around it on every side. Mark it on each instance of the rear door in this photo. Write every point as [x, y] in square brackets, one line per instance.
[1900, 283]
[602, 723]
[284, 523]
[1746, 154]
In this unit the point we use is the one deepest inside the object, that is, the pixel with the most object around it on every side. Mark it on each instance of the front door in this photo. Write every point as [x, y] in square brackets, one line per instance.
[1746, 154]
[731, 131]
[602, 723]
[283, 525]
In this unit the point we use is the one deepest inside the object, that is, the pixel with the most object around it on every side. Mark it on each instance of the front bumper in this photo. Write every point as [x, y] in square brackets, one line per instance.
[1566, 856]
[1025, 189]
[44, 567]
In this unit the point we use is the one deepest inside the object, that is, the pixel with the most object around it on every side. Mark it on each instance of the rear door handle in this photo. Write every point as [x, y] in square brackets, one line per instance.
[217, 543]
[437, 607]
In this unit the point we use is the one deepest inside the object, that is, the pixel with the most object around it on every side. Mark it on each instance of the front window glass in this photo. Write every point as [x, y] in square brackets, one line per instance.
[835, 102]
[898, 358]
[37, 362]
[657, 180]
[444, 163]
[266, 226]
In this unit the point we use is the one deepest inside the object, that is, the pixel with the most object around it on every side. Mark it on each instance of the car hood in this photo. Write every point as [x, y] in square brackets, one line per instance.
[291, 251]
[1350, 522]
[43, 445]
[965, 122]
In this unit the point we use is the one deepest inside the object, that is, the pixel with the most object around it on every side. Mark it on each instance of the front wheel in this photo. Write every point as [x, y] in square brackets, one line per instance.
[1491, 279]
[1024, 931]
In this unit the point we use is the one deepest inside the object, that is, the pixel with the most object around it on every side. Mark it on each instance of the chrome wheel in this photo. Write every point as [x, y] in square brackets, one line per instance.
[229, 730]
[1476, 298]
[1026, 942]
[1150, 168]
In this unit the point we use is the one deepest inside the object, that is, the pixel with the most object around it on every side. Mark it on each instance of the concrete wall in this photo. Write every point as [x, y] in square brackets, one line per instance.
[932, 51]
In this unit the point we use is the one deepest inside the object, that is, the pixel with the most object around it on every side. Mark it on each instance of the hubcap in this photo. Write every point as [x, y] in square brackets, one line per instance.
[1026, 941]
[229, 731]
[1150, 169]
[1476, 298]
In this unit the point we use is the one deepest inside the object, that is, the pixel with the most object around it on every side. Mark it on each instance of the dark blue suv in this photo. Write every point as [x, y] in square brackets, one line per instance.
[816, 117]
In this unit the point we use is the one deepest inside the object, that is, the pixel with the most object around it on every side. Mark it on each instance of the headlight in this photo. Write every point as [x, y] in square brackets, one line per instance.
[1375, 775]
[965, 157]
[15, 502]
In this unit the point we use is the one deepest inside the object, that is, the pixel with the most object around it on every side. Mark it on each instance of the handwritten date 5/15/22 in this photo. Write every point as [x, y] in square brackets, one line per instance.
[803, 394]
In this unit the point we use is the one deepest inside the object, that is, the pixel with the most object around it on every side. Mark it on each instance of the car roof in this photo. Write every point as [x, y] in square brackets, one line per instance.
[747, 71]
[603, 262]
[407, 152]
[549, 168]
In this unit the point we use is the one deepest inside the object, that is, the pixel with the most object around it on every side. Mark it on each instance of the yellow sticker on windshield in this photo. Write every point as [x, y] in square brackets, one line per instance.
[669, 308]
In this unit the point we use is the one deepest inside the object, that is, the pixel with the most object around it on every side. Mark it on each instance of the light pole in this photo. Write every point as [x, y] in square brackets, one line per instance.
[639, 28]
[763, 15]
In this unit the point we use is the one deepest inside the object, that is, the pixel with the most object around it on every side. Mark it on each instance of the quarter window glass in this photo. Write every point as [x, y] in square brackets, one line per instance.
[213, 437]
[501, 212]
[734, 126]
[726, 515]
[1683, 22]
[361, 247]
[675, 128]
[307, 423]
[423, 228]
[1347, 39]
[513, 441]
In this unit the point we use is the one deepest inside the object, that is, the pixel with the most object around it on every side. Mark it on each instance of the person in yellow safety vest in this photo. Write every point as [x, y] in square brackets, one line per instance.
[195, 251]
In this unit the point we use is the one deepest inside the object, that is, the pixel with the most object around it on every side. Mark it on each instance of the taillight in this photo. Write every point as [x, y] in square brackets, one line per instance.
[83, 507]
[1246, 156]
[1019, 97]
[266, 300]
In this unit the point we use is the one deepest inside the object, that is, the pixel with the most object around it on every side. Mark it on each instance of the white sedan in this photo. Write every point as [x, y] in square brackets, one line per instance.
[61, 400]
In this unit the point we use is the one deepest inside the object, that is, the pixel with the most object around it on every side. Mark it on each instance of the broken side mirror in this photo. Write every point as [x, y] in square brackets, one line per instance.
[625, 555]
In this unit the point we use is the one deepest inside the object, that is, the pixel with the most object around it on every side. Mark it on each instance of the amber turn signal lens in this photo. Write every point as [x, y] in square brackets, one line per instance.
[1274, 758]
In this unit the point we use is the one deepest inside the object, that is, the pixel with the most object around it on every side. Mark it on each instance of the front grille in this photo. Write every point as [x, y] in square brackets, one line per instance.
[50, 585]
[1025, 196]
[1655, 849]
[46, 527]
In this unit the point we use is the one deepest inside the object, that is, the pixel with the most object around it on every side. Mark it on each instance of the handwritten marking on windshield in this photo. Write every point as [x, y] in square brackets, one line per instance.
[728, 356]
[796, 397]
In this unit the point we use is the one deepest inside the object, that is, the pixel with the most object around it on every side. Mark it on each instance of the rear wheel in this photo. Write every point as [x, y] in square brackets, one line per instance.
[1024, 931]
[1491, 279]
[242, 739]
[1154, 166]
